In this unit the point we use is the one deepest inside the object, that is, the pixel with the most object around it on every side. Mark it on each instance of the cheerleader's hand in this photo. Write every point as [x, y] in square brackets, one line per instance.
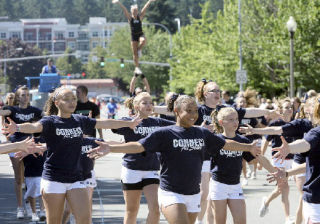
[282, 151]
[210, 127]
[254, 149]
[10, 128]
[102, 150]
[135, 122]
[246, 130]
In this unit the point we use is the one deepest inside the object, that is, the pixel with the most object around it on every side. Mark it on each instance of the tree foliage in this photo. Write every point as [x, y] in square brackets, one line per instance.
[69, 64]
[16, 71]
[209, 47]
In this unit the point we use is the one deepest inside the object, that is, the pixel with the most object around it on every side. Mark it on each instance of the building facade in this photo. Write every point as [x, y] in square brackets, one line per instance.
[56, 35]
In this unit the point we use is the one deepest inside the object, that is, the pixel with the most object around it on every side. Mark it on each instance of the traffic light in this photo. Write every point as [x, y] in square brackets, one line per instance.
[83, 74]
[121, 62]
[102, 61]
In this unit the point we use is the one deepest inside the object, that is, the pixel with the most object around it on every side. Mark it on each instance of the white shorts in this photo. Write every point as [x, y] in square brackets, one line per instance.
[287, 163]
[311, 212]
[294, 165]
[53, 187]
[91, 182]
[192, 202]
[33, 187]
[220, 191]
[206, 166]
[138, 179]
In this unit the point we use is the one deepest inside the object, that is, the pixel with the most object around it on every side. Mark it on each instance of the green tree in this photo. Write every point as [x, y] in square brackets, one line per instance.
[16, 71]
[69, 64]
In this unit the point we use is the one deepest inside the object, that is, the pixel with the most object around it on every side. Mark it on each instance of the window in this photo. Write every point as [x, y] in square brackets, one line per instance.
[71, 34]
[59, 35]
[15, 35]
[95, 34]
[106, 33]
[60, 46]
[83, 36]
[3, 35]
[29, 36]
[72, 45]
[95, 44]
[83, 46]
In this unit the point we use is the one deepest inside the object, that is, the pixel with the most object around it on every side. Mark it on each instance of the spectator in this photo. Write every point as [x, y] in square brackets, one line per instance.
[49, 68]
[226, 99]
[112, 108]
[87, 108]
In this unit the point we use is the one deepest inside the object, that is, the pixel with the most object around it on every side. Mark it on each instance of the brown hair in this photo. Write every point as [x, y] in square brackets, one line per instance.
[83, 89]
[7, 99]
[17, 94]
[200, 89]
[176, 101]
[50, 107]
[251, 97]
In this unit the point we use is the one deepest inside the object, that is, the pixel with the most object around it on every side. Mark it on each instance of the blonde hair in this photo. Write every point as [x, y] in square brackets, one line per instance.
[251, 97]
[133, 7]
[220, 116]
[316, 111]
[134, 101]
[7, 99]
[283, 101]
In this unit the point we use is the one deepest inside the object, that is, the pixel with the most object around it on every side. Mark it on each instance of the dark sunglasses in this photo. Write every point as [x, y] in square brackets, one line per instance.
[214, 91]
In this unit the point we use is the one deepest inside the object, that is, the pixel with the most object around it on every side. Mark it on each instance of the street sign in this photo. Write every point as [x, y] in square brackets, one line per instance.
[241, 76]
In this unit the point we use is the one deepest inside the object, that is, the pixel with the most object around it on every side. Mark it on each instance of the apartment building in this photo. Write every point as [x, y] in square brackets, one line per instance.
[55, 34]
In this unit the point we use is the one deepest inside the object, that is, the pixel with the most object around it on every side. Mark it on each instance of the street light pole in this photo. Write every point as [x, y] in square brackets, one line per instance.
[178, 23]
[292, 26]
[240, 42]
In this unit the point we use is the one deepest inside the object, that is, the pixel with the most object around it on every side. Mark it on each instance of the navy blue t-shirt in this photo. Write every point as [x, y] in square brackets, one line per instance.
[181, 155]
[33, 166]
[276, 140]
[64, 137]
[86, 162]
[23, 115]
[311, 187]
[228, 164]
[142, 161]
[297, 129]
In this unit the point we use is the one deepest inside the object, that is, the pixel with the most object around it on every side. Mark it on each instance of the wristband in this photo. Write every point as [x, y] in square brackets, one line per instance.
[142, 76]
[136, 75]
[17, 128]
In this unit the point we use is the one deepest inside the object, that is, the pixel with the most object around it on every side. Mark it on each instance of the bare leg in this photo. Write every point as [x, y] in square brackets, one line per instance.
[210, 209]
[18, 169]
[142, 42]
[32, 202]
[151, 194]
[238, 210]
[54, 204]
[299, 214]
[285, 200]
[204, 191]
[274, 194]
[220, 211]
[66, 213]
[176, 214]
[134, 47]
[78, 201]
[132, 200]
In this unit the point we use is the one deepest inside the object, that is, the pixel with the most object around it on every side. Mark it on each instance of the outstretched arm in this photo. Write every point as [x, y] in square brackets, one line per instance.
[144, 9]
[105, 148]
[298, 146]
[162, 110]
[115, 124]
[258, 112]
[5, 112]
[125, 11]
[274, 130]
[29, 128]
[236, 146]
[266, 163]
[24, 145]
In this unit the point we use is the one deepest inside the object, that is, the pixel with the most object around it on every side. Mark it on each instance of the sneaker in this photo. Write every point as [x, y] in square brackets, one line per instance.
[289, 221]
[72, 219]
[199, 222]
[20, 213]
[35, 217]
[42, 215]
[245, 182]
[138, 71]
[249, 174]
[263, 209]
[139, 53]
[253, 175]
[28, 209]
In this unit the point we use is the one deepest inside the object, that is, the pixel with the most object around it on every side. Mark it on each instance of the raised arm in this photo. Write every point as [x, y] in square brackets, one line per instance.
[29, 128]
[266, 163]
[124, 9]
[145, 83]
[133, 84]
[144, 9]
[115, 124]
